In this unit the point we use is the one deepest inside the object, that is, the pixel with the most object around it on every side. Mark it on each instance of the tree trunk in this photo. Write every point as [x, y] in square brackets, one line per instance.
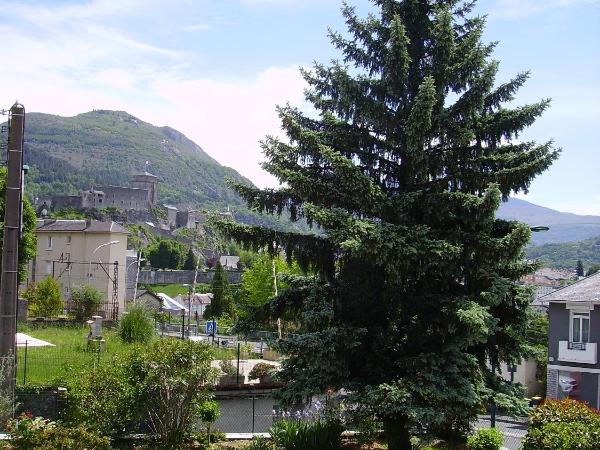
[397, 434]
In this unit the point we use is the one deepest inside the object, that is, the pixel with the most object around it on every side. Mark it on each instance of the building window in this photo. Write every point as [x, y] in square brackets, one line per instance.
[580, 326]
[49, 243]
[69, 240]
[99, 200]
[48, 267]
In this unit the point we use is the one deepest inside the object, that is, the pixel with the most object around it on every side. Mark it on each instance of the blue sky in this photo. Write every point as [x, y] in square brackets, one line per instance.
[215, 69]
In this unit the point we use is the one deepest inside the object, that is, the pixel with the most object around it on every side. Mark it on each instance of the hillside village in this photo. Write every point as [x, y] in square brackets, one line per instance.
[392, 291]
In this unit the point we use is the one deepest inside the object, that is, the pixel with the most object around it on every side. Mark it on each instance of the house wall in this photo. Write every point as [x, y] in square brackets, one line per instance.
[585, 374]
[80, 250]
[526, 374]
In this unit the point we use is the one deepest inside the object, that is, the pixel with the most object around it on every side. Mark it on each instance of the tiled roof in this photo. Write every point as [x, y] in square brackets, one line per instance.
[93, 226]
[585, 290]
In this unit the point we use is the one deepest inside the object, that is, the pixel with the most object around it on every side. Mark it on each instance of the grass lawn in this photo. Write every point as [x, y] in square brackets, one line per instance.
[43, 365]
[173, 290]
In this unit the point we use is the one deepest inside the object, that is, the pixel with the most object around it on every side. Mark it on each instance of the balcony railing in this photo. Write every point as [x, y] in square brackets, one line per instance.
[578, 352]
[577, 345]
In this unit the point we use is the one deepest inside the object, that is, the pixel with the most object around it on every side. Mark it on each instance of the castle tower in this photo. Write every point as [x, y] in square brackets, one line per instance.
[149, 182]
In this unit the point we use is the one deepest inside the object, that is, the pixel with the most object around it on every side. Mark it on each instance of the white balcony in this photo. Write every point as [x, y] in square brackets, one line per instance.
[577, 352]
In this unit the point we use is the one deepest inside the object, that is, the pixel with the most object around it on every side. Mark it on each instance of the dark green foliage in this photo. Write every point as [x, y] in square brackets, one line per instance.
[222, 302]
[563, 425]
[209, 412]
[579, 270]
[403, 170]
[190, 261]
[28, 241]
[566, 255]
[487, 439]
[166, 254]
[86, 300]
[136, 325]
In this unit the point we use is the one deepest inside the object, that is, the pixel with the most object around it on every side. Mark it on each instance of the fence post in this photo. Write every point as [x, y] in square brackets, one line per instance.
[237, 375]
[253, 409]
[25, 365]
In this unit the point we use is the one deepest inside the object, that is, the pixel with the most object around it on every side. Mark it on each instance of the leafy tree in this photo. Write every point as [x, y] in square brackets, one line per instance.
[86, 301]
[416, 296]
[28, 241]
[592, 270]
[222, 301]
[166, 254]
[579, 270]
[190, 260]
[136, 325]
[47, 301]
[257, 280]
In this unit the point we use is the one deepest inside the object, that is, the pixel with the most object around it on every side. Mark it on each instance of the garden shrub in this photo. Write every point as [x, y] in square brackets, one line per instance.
[36, 433]
[563, 425]
[172, 376]
[101, 398]
[86, 300]
[45, 299]
[261, 370]
[228, 368]
[136, 325]
[486, 439]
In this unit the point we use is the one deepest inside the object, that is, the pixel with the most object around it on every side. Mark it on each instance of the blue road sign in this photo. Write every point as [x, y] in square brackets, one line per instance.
[211, 328]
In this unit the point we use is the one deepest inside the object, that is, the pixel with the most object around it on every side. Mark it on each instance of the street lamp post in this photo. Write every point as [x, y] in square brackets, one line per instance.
[92, 257]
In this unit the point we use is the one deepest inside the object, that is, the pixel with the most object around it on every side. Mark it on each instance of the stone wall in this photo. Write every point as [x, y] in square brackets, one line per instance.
[152, 277]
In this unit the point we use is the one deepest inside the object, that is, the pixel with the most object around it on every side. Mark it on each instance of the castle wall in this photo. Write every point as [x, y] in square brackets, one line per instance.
[124, 198]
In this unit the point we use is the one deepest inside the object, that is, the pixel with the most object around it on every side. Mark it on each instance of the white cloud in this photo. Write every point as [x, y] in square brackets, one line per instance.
[198, 27]
[514, 9]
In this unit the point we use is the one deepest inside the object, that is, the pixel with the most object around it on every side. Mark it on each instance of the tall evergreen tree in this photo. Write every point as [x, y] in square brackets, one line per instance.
[579, 270]
[190, 260]
[414, 148]
[222, 301]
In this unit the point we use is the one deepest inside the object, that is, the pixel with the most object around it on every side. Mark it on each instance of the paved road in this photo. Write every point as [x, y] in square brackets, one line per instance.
[514, 430]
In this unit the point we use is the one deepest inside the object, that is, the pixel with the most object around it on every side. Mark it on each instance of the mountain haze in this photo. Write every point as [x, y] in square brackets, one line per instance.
[564, 227]
[68, 154]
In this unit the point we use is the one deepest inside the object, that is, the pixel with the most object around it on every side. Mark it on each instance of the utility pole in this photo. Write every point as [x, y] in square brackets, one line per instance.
[9, 282]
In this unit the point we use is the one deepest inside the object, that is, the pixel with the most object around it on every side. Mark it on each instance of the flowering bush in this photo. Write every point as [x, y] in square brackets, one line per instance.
[563, 425]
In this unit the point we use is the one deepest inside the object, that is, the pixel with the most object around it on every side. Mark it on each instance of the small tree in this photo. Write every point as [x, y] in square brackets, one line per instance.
[222, 302]
[86, 301]
[592, 270]
[579, 270]
[190, 260]
[47, 301]
[209, 413]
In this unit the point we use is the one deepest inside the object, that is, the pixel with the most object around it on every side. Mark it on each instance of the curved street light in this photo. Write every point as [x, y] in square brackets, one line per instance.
[92, 257]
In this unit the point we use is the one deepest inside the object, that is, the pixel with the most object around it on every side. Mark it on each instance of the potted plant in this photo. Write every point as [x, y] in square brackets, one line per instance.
[229, 373]
[263, 372]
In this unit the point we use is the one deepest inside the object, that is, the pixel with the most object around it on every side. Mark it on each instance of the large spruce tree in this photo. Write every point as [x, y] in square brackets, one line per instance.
[402, 171]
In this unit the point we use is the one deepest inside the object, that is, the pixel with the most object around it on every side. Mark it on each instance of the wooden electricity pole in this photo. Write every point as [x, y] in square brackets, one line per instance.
[9, 282]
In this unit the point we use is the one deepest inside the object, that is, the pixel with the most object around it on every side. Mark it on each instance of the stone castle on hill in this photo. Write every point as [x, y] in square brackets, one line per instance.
[141, 196]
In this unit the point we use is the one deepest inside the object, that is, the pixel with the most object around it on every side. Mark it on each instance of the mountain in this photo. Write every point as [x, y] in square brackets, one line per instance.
[564, 227]
[67, 154]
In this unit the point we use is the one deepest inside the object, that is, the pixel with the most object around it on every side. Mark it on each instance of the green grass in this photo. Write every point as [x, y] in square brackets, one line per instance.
[45, 365]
